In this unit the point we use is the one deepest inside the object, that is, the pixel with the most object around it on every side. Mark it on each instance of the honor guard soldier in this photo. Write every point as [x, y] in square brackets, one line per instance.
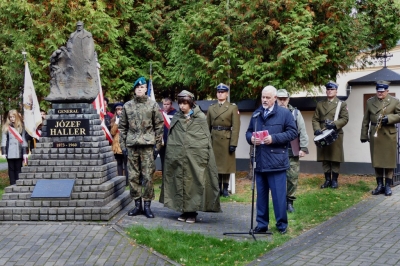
[378, 127]
[330, 113]
[224, 122]
[298, 148]
[141, 127]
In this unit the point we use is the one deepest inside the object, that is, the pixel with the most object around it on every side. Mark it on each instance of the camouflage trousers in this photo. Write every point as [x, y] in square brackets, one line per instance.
[292, 179]
[141, 168]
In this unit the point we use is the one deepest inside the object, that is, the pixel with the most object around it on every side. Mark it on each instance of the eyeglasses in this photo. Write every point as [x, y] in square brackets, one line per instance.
[330, 89]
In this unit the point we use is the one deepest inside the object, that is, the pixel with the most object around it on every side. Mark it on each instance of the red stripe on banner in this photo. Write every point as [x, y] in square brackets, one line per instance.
[16, 134]
[167, 121]
[38, 132]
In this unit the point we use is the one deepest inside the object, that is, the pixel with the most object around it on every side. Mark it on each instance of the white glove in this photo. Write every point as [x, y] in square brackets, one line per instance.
[25, 156]
[4, 156]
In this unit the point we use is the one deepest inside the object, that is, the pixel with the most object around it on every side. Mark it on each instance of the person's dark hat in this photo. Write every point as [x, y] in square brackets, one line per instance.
[382, 85]
[118, 105]
[106, 99]
[222, 87]
[331, 85]
[139, 81]
[186, 93]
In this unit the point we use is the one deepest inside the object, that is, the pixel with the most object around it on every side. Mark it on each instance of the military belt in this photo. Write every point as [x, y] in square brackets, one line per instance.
[221, 128]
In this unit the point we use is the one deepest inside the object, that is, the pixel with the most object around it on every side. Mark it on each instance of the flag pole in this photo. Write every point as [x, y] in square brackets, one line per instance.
[22, 88]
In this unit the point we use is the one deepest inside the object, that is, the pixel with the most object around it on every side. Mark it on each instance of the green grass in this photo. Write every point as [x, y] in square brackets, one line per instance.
[313, 207]
[3, 160]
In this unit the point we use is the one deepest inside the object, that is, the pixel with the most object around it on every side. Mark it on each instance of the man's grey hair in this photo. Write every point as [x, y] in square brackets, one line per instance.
[270, 88]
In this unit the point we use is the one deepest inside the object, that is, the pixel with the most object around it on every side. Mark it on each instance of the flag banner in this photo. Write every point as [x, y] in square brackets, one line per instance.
[150, 94]
[16, 134]
[98, 104]
[32, 116]
[150, 90]
[167, 120]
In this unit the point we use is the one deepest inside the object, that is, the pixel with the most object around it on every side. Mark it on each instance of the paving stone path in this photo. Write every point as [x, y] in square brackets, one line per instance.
[366, 234]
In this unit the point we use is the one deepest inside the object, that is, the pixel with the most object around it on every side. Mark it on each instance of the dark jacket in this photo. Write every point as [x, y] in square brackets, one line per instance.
[281, 126]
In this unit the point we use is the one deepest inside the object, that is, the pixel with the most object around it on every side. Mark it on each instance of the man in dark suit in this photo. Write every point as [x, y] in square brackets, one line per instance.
[271, 158]
[224, 122]
[330, 113]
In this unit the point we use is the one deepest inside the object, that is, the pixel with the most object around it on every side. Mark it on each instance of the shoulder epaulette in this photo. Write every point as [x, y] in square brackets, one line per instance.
[370, 98]
[233, 103]
[212, 104]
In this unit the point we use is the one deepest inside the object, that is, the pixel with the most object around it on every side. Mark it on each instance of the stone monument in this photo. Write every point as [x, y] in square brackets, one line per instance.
[73, 69]
[71, 174]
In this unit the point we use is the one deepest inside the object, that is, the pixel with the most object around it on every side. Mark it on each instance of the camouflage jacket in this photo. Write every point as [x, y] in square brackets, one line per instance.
[141, 123]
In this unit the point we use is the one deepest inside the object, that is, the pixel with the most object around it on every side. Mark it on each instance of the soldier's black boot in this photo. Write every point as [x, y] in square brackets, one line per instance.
[225, 192]
[138, 208]
[327, 181]
[220, 189]
[388, 190]
[335, 180]
[380, 189]
[289, 206]
[147, 211]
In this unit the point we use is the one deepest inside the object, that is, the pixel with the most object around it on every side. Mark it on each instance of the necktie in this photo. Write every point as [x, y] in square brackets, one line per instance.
[266, 111]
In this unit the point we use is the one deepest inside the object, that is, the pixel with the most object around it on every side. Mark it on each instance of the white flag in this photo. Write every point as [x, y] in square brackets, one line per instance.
[32, 116]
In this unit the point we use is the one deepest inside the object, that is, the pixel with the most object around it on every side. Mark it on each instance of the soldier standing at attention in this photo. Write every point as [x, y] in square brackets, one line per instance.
[141, 127]
[324, 118]
[224, 123]
[378, 127]
[298, 148]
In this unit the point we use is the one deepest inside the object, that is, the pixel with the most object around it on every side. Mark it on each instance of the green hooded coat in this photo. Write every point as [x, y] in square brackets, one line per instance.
[190, 174]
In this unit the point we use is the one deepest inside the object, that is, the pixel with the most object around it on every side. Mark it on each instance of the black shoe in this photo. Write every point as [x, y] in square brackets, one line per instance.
[290, 207]
[138, 208]
[335, 177]
[388, 190]
[147, 211]
[260, 230]
[225, 192]
[282, 231]
[380, 189]
[328, 181]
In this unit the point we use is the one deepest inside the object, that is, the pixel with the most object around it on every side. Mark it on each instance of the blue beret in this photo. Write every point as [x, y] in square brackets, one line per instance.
[222, 87]
[139, 81]
[118, 105]
[331, 84]
[382, 85]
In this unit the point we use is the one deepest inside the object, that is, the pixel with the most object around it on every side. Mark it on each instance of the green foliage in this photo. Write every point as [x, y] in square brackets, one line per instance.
[195, 45]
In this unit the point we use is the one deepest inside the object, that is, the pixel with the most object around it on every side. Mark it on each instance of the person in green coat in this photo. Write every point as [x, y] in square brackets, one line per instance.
[324, 118]
[190, 174]
[378, 127]
[223, 120]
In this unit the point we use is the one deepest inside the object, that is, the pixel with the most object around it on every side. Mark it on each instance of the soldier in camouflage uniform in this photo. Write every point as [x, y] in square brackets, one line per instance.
[141, 129]
[298, 148]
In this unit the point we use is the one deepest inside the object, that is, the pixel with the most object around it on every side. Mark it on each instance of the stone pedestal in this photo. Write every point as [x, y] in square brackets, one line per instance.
[86, 157]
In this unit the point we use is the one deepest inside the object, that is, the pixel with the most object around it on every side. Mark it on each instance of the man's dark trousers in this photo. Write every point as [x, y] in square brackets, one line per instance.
[276, 181]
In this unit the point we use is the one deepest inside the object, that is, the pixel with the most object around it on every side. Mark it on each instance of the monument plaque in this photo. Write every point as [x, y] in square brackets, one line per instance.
[53, 189]
[67, 127]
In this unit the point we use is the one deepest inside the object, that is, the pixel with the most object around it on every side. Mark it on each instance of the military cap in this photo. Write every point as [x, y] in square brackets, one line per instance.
[382, 85]
[331, 84]
[282, 93]
[186, 93]
[118, 105]
[222, 87]
[139, 81]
